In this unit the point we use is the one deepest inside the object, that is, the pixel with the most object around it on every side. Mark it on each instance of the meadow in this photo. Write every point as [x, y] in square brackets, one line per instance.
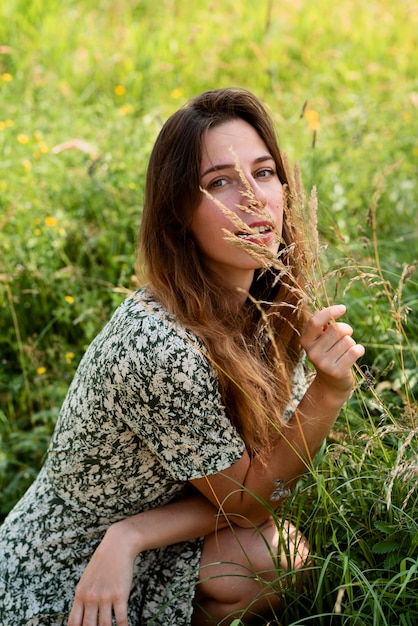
[84, 88]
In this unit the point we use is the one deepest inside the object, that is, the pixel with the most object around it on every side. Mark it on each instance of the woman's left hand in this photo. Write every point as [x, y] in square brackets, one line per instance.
[331, 348]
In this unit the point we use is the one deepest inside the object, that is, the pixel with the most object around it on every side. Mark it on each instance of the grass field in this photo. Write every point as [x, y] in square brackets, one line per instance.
[84, 88]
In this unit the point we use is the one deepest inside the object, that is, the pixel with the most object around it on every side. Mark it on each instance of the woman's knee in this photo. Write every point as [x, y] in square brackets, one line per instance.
[295, 551]
[252, 561]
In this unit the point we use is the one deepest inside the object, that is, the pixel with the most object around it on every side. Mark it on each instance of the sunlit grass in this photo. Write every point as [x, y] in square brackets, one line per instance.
[84, 88]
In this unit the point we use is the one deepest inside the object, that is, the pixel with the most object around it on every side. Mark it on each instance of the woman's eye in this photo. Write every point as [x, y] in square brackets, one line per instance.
[216, 184]
[265, 173]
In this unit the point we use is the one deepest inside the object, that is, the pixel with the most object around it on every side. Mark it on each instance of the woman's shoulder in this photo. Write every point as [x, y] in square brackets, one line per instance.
[142, 303]
[141, 317]
[142, 308]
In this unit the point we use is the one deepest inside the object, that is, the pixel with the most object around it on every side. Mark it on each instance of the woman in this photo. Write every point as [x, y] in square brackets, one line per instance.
[173, 434]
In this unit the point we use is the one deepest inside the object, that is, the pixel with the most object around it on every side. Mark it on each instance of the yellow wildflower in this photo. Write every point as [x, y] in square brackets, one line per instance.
[69, 299]
[2, 126]
[37, 232]
[23, 139]
[126, 109]
[9, 123]
[312, 117]
[120, 90]
[177, 93]
[41, 371]
[7, 77]
[69, 356]
[51, 221]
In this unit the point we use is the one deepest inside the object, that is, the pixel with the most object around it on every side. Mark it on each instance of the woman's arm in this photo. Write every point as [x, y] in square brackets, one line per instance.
[332, 350]
[106, 582]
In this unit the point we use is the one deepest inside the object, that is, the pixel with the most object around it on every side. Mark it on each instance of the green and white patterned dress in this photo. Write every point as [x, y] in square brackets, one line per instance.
[142, 417]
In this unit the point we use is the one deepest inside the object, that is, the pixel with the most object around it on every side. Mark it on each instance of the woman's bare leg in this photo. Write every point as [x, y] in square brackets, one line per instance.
[238, 575]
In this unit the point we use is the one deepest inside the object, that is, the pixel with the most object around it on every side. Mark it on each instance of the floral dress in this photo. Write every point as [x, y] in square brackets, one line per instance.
[142, 417]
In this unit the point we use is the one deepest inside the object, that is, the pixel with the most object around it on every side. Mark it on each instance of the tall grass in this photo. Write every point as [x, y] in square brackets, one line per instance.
[84, 88]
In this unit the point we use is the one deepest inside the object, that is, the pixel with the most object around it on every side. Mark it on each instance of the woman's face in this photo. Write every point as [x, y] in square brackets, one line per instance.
[225, 145]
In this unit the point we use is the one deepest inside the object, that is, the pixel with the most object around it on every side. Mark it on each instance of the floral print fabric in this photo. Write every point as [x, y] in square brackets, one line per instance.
[142, 417]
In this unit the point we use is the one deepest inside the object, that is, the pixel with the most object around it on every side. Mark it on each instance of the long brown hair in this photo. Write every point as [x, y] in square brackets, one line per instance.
[255, 347]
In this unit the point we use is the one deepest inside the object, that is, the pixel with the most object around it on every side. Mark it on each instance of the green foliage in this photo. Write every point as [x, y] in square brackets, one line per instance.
[365, 568]
[84, 87]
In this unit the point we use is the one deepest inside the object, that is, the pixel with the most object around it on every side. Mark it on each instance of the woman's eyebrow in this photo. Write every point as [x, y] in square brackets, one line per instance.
[215, 168]
[226, 166]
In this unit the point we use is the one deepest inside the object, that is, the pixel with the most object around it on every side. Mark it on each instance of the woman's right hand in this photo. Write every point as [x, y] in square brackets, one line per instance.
[105, 584]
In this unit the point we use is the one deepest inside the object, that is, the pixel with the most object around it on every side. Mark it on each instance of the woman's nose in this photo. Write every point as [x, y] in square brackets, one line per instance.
[253, 196]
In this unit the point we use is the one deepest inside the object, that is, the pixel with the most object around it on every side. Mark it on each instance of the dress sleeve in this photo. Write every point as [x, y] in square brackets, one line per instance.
[299, 383]
[175, 407]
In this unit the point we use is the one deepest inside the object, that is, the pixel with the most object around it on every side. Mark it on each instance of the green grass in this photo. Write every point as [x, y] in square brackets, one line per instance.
[108, 73]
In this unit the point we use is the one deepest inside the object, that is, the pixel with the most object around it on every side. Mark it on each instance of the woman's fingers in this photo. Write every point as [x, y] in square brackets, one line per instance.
[92, 614]
[321, 321]
[121, 614]
[324, 335]
[329, 336]
[105, 585]
[330, 346]
[105, 616]
[76, 615]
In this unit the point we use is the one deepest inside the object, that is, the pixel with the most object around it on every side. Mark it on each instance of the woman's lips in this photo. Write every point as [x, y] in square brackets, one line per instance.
[262, 232]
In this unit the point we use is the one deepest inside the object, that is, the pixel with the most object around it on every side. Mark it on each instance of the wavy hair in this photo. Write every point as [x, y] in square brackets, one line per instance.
[254, 347]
